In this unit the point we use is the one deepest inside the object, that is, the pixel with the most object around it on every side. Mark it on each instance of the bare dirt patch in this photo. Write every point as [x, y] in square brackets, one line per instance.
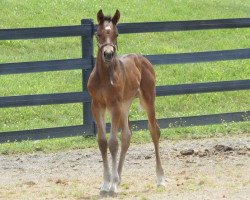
[217, 168]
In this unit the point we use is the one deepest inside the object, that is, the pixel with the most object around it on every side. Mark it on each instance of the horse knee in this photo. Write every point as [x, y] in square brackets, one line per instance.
[103, 144]
[113, 145]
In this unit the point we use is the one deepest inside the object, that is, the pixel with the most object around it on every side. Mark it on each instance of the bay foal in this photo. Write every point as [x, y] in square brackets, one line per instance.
[113, 84]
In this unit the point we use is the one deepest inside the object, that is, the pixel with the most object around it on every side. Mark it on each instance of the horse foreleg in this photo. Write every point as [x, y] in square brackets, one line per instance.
[113, 147]
[125, 137]
[99, 116]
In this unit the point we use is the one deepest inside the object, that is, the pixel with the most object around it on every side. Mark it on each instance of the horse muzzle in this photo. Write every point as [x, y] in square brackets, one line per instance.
[108, 56]
[108, 50]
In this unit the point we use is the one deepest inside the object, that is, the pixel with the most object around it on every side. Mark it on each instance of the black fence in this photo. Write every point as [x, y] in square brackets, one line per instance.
[86, 62]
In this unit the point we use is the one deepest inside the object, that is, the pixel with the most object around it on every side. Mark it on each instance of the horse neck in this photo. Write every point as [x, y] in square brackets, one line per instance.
[105, 72]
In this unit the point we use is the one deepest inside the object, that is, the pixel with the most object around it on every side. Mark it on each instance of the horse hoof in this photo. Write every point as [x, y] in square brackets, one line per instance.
[113, 190]
[112, 193]
[161, 186]
[104, 193]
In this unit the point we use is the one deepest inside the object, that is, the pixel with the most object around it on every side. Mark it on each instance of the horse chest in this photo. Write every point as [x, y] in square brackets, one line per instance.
[109, 94]
[124, 88]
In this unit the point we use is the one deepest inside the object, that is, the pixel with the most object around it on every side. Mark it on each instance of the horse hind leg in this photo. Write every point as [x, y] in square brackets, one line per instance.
[147, 100]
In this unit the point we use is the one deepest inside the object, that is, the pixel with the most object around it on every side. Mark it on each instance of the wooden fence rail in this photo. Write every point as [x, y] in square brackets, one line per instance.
[86, 31]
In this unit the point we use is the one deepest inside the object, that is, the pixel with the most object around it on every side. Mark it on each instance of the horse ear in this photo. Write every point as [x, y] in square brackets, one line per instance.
[116, 17]
[100, 17]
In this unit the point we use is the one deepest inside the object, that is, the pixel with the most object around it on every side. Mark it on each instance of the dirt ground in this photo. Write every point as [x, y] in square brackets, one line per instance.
[217, 168]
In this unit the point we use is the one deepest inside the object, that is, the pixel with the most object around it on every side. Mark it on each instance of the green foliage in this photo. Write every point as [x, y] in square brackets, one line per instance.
[19, 14]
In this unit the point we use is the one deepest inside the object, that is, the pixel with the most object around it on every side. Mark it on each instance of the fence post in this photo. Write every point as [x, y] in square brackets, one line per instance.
[87, 52]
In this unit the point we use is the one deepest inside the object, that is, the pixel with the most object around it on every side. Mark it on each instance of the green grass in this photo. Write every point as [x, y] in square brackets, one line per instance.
[18, 14]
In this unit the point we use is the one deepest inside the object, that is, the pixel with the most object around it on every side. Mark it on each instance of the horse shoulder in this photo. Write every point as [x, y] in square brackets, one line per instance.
[93, 82]
[132, 75]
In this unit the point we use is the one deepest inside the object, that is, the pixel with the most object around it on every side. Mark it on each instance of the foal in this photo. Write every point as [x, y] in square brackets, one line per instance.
[113, 84]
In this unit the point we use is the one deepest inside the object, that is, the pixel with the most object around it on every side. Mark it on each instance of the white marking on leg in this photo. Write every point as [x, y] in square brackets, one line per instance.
[105, 186]
[161, 181]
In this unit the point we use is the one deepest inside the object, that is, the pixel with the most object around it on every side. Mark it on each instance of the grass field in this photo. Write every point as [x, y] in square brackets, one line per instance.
[18, 14]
